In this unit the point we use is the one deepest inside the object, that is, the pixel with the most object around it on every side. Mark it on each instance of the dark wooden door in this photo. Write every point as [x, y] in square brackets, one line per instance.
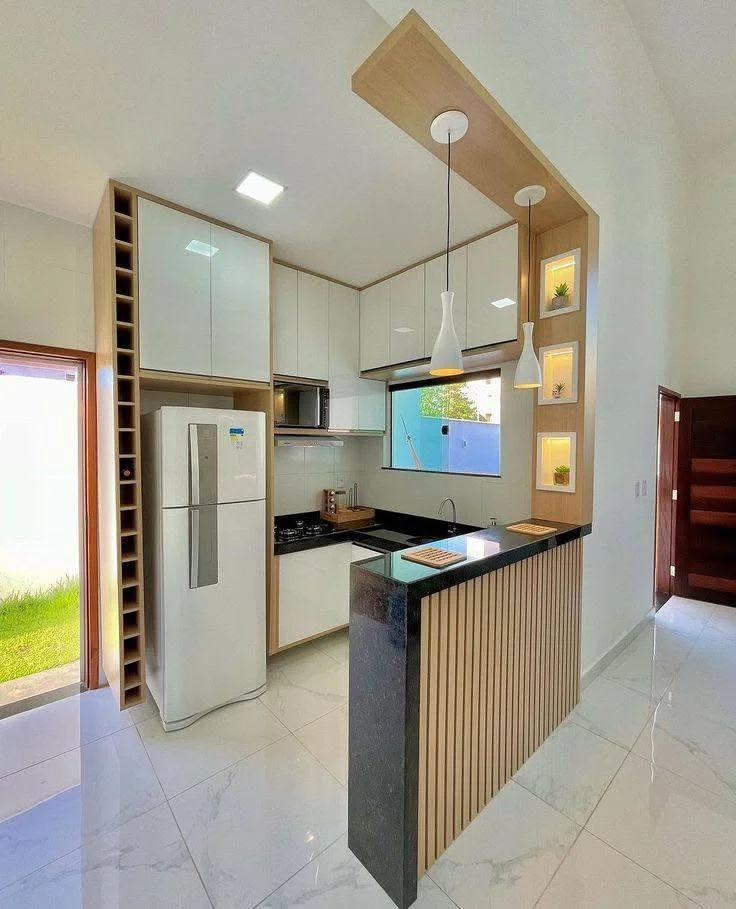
[665, 509]
[706, 507]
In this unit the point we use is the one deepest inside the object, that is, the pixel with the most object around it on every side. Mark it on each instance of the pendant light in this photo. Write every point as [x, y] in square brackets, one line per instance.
[447, 357]
[528, 372]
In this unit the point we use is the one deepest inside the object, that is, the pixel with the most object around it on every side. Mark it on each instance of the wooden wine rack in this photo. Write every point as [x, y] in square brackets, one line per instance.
[118, 389]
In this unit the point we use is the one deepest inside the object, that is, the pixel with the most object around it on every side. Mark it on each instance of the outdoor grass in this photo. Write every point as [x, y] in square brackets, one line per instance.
[39, 630]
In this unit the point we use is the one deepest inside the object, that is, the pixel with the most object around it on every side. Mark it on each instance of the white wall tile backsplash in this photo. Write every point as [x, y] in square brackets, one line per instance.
[302, 473]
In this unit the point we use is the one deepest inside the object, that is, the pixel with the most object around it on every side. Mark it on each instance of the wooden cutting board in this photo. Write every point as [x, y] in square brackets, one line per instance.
[536, 530]
[433, 558]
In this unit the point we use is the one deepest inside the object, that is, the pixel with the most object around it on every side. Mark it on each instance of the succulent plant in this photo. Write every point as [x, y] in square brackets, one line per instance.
[558, 389]
[562, 290]
[562, 469]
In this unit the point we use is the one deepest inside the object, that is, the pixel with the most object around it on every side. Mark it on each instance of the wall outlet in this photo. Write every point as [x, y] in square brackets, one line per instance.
[643, 487]
[491, 522]
[637, 489]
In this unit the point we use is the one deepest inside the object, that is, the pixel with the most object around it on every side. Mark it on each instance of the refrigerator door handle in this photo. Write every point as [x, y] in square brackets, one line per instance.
[193, 464]
[193, 548]
[202, 463]
[203, 546]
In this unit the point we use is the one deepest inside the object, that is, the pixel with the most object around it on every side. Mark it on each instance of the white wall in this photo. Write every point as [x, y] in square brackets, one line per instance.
[45, 280]
[478, 499]
[575, 77]
[707, 312]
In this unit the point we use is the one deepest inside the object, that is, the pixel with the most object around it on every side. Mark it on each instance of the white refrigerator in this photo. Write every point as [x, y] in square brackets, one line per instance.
[204, 538]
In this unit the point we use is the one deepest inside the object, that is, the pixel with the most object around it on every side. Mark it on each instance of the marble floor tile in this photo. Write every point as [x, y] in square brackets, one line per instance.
[571, 770]
[141, 712]
[186, 757]
[335, 645]
[722, 625]
[142, 864]
[682, 833]
[298, 700]
[650, 662]
[327, 739]
[507, 855]
[593, 874]
[706, 682]
[54, 807]
[613, 711]
[685, 742]
[684, 616]
[252, 826]
[300, 663]
[337, 880]
[44, 732]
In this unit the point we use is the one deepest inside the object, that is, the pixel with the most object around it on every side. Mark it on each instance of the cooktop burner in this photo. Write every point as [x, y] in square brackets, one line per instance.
[300, 529]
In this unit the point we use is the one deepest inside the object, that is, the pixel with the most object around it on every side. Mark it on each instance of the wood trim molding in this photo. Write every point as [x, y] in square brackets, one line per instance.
[90, 656]
[154, 379]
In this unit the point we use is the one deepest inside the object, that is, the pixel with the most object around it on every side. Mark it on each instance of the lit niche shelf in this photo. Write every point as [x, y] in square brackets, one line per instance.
[555, 271]
[555, 452]
[559, 364]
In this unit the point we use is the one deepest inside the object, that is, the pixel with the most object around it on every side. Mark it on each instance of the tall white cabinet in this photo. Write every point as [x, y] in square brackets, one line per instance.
[301, 324]
[406, 320]
[203, 297]
[374, 326]
[493, 276]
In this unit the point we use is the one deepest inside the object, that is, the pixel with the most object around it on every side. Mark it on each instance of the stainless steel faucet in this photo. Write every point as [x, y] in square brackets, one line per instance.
[442, 508]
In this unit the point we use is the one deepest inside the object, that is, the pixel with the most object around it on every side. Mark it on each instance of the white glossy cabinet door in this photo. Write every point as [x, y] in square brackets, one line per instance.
[314, 592]
[343, 356]
[362, 552]
[407, 316]
[285, 325]
[241, 328]
[434, 284]
[374, 326]
[493, 274]
[313, 327]
[173, 290]
[371, 405]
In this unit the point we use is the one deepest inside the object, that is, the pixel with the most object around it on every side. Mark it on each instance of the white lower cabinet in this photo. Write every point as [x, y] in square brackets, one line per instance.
[314, 590]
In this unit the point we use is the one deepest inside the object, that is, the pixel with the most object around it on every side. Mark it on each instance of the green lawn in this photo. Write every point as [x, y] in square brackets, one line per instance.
[39, 630]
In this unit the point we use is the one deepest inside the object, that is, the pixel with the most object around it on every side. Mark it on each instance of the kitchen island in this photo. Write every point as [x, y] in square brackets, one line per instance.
[456, 676]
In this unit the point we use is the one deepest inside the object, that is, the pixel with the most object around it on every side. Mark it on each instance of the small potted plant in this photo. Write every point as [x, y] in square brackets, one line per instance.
[558, 389]
[561, 297]
[561, 475]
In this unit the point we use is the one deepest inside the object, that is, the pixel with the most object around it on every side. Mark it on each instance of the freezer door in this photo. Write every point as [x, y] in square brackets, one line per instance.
[212, 456]
[214, 635]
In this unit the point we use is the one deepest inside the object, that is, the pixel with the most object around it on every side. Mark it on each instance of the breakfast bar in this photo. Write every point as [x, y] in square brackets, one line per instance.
[457, 675]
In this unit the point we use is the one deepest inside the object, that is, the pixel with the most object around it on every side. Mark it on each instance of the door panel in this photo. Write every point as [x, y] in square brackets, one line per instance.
[314, 592]
[174, 290]
[665, 511]
[493, 274]
[374, 326]
[285, 325]
[406, 341]
[706, 512]
[313, 322]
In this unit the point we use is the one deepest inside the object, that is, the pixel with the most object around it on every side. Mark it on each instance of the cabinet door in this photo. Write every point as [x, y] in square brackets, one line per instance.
[313, 325]
[434, 284]
[493, 274]
[374, 326]
[362, 552]
[314, 592]
[343, 356]
[407, 316]
[173, 290]
[285, 330]
[241, 329]
[371, 405]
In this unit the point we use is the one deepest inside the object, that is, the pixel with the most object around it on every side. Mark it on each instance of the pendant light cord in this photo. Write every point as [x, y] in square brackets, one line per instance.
[529, 264]
[447, 247]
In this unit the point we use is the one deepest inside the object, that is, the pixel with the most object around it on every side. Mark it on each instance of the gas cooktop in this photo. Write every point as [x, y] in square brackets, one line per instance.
[299, 530]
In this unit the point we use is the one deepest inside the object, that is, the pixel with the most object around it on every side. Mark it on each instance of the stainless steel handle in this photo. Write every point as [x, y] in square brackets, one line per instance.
[193, 464]
[203, 546]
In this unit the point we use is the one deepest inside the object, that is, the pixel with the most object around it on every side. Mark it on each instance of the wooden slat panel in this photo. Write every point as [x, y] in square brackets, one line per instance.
[451, 715]
[706, 582]
[720, 466]
[442, 616]
[423, 734]
[432, 729]
[713, 518]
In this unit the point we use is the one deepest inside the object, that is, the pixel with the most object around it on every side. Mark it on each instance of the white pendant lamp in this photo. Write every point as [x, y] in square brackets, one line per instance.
[528, 372]
[447, 357]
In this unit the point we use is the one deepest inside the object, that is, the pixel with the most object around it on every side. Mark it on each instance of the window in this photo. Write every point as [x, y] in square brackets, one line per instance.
[448, 426]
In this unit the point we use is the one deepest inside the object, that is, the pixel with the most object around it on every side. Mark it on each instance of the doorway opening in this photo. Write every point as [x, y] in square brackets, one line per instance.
[666, 494]
[48, 526]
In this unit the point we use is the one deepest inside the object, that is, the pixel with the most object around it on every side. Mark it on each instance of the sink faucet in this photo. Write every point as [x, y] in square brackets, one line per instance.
[442, 508]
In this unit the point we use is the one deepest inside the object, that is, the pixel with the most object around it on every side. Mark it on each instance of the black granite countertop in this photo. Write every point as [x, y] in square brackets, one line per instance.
[390, 531]
[484, 551]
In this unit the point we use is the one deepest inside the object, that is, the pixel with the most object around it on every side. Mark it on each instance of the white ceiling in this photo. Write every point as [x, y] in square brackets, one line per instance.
[692, 47]
[181, 99]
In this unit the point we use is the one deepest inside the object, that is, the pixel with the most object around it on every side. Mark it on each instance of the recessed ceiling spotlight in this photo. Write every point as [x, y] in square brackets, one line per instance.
[263, 190]
[202, 249]
[503, 303]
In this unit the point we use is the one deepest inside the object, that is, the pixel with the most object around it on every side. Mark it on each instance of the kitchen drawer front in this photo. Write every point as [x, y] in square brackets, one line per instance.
[362, 552]
[314, 592]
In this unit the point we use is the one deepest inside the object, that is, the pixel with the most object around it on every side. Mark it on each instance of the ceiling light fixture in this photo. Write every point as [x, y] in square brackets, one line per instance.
[528, 372]
[447, 357]
[202, 249]
[263, 190]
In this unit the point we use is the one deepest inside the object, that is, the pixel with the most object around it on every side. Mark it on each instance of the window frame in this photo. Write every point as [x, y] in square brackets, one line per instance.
[494, 372]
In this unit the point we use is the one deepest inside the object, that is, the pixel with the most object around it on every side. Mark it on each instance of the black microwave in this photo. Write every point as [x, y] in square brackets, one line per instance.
[300, 405]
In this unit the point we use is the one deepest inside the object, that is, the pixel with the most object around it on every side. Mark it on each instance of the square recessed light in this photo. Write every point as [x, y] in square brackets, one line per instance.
[202, 249]
[404, 330]
[503, 303]
[259, 188]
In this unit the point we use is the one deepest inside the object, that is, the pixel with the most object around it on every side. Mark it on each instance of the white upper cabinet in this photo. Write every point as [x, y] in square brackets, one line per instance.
[407, 316]
[493, 275]
[434, 284]
[374, 326]
[241, 329]
[313, 326]
[285, 332]
[173, 290]
[371, 405]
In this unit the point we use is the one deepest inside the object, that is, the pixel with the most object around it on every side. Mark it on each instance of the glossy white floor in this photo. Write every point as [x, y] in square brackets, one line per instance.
[631, 803]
